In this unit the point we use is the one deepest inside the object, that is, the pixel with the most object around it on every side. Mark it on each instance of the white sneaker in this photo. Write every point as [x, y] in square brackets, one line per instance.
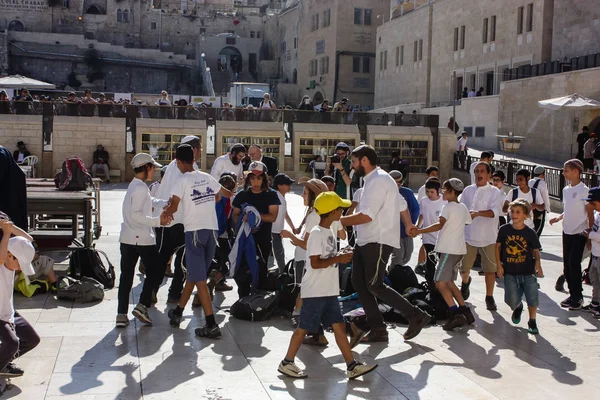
[122, 320]
[360, 369]
[292, 371]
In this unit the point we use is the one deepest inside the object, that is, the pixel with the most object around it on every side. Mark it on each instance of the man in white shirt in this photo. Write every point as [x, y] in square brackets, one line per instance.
[472, 93]
[486, 156]
[539, 183]
[231, 162]
[431, 172]
[461, 149]
[483, 201]
[524, 191]
[171, 239]
[377, 214]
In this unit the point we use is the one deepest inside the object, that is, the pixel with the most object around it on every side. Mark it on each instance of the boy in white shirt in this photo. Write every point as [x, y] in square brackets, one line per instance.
[282, 185]
[523, 191]
[196, 192]
[137, 240]
[431, 172]
[451, 248]
[320, 289]
[594, 236]
[431, 207]
[539, 183]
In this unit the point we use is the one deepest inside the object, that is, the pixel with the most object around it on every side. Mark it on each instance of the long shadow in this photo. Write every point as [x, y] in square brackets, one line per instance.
[551, 257]
[550, 308]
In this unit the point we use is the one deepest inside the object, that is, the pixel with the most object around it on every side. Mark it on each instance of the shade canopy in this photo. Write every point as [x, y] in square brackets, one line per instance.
[573, 101]
[19, 81]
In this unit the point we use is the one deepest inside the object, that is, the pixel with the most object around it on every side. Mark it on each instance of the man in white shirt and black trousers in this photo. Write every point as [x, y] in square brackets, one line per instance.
[377, 221]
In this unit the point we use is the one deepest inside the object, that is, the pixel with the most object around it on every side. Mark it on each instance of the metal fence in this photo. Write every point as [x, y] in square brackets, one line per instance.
[554, 176]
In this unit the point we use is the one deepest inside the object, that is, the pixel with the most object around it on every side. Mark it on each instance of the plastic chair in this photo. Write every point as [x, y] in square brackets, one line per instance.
[30, 161]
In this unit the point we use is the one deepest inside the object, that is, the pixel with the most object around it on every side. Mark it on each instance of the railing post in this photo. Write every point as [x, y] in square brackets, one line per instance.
[509, 174]
[563, 183]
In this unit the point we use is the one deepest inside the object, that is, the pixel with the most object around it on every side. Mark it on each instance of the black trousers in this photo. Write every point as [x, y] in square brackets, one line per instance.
[16, 339]
[243, 277]
[573, 247]
[130, 254]
[539, 220]
[430, 263]
[221, 260]
[168, 241]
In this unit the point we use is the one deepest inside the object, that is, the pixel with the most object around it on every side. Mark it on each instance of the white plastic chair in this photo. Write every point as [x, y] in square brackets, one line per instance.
[30, 162]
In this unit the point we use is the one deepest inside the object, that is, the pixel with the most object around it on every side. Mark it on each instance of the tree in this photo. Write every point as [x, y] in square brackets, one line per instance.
[95, 64]
[73, 81]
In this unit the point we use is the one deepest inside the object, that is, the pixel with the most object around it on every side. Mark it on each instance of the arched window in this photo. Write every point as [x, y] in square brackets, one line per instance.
[94, 9]
[126, 16]
[16, 26]
[119, 15]
[252, 34]
[258, 34]
[295, 76]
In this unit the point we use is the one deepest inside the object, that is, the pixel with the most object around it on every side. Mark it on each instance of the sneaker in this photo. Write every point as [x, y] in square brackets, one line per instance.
[533, 329]
[360, 369]
[481, 273]
[174, 319]
[490, 303]
[141, 312]
[456, 321]
[592, 307]
[376, 335]
[415, 325]
[211, 333]
[222, 286]
[516, 315]
[420, 270]
[560, 284]
[566, 302]
[122, 320]
[315, 340]
[464, 290]
[11, 371]
[356, 335]
[576, 305]
[466, 311]
[597, 315]
[292, 371]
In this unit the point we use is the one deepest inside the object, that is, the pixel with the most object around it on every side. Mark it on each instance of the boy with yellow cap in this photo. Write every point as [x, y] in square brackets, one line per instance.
[320, 289]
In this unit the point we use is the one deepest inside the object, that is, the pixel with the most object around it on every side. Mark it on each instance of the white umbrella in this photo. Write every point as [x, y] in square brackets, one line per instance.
[18, 81]
[572, 102]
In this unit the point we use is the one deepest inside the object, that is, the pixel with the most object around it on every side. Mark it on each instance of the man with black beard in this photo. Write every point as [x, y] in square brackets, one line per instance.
[378, 219]
[231, 162]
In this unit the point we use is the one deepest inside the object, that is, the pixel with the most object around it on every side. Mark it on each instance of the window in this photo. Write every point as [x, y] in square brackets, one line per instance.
[493, 29]
[358, 16]
[529, 26]
[415, 50]
[66, 3]
[312, 68]
[397, 56]
[484, 38]
[455, 39]
[520, 21]
[252, 34]
[315, 22]
[325, 65]
[202, 31]
[480, 131]
[355, 64]
[326, 18]
[402, 55]
[366, 65]
[462, 37]
[368, 16]
[385, 59]
[420, 49]
[322, 66]
[295, 43]
[126, 16]
[381, 61]
[119, 15]
[258, 34]
[283, 46]
[469, 130]
[152, 25]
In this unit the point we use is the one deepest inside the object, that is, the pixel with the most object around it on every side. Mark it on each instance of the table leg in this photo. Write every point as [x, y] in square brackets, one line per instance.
[75, 225]
[87, 223]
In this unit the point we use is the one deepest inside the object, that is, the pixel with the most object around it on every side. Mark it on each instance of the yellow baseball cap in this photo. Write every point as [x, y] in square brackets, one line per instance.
[326, 202]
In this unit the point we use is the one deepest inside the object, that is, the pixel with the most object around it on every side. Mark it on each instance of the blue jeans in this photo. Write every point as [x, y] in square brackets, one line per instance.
[319, 310]
[517, 285]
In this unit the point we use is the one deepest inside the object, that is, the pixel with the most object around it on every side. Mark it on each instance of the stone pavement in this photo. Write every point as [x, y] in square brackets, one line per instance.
[83, 356]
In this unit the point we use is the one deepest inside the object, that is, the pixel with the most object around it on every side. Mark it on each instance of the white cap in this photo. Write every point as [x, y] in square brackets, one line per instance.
[189, 138]
[141, 159]
[257, 168]
[22, 249]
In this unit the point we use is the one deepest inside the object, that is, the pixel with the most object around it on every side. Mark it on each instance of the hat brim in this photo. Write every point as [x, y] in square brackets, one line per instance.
[345, 203]
[256, 172]
[303, 180]
[27, 268]
[157, 165]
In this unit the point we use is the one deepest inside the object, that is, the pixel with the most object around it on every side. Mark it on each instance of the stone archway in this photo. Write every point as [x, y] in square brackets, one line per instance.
[594, 126]
[230, 59]
[16, 25]
[318, 98]
[95, 10]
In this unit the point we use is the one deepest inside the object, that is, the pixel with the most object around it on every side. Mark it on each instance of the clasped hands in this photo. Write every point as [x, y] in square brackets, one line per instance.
[166, 217]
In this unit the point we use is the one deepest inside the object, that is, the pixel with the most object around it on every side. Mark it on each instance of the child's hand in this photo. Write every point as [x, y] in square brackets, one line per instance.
[539, 272]
[165, 219]
[345, 256]
[586, 233]
[554, 220]
[6, 226]
[500, 271]
[286, 234]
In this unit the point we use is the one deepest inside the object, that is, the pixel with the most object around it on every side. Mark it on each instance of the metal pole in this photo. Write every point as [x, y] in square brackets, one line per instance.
[453, 101]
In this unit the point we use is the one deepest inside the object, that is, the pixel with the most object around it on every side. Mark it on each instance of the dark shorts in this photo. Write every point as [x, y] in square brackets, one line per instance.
[199, 251]
[319, 310]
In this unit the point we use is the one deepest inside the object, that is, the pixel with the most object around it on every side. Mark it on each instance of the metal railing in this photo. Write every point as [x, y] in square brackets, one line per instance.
[555, 180]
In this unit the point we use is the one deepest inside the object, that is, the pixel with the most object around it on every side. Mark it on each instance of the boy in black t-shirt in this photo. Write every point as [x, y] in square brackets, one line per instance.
[519, 261]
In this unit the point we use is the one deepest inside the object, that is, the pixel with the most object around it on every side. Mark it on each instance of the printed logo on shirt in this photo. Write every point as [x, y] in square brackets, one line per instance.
[516, 249]
[199, 197]
[574, 195]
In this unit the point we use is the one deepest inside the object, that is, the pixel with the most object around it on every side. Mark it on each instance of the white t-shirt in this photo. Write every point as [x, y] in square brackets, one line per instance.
[197, 191]
[312, 220]
[154, 188]
[529, 197]
[575, 218]
[483, 231]
[335, 227]
[422, 193]
[542, 187]
[431, 211]
[472, 172]
[595, 235]
[165, 190]
[320, 282]
[7, 281]
[224, 164]
[461, 144]
[451, 239]
[280, 221]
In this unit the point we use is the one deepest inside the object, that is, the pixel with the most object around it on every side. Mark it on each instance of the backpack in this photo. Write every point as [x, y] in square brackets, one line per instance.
[288, 290]
[597, 151]
[83, 291]
[255, 307]
[74, 175]
[87, 262]
[271, 284]
[402, 277]
[515, 193]
[437, 303]
[346, 281]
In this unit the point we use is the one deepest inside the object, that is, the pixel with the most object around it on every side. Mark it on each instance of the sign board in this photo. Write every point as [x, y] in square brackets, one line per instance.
[24, 5]
[119, 96]
[216, 101]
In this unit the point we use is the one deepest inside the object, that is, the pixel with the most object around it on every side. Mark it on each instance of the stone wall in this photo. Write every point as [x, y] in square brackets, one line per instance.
[549, 134]
[576, 29]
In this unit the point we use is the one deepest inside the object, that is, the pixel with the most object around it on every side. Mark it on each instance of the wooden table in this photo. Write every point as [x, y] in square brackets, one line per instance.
[55, 202]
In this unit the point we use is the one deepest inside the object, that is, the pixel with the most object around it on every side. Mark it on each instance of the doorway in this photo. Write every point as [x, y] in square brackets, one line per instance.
[489, 83]
[459, 87]
[230, 59]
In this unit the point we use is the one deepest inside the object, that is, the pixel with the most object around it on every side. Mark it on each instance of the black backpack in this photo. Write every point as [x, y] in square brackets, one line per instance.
[288, 290]
[515, 193]
[74, 175]
[84, 291]
[87, 262]
[346, 281]
[402, 277]
[255, 307]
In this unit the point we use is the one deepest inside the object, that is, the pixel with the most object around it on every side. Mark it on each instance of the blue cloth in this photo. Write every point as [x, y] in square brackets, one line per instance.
[244, 245]
[319, 310]
[413, 208]
[221, 207]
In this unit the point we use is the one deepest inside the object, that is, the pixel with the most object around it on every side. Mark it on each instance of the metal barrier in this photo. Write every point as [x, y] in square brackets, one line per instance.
[553, 176]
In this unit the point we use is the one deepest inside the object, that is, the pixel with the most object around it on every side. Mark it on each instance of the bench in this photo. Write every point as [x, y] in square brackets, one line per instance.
[113, 172]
